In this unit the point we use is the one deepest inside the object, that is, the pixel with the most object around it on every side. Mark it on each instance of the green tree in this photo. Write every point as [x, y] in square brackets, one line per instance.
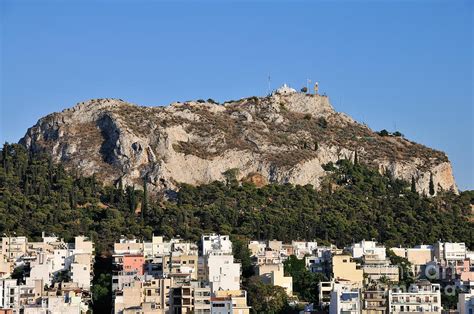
[266, 298]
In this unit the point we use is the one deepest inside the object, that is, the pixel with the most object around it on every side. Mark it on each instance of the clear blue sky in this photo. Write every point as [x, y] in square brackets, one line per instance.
[406, 65]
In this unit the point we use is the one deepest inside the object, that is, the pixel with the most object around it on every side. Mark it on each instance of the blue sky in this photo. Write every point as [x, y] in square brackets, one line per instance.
[404, 65]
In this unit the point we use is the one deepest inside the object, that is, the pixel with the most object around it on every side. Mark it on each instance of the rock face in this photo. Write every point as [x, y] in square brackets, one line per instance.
[283, 138]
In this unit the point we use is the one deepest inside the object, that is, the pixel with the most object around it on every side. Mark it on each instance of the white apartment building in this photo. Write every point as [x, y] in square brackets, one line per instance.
[449, 252]
[302, 248]
[157, 247]
[216, 242]
[345, 300]
[364, 247]
[9, 294]
[422, 297]
[222, 272]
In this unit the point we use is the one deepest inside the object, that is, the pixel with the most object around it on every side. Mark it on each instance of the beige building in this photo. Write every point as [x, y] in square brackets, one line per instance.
[375, 269]
[145, 297]
[345, 269]
[418, 256]
[13, 247]
[274, 274]
[230, 301]
[275, 245]
[190, 297]
[374, 301]
[128, 246]
[181, 264]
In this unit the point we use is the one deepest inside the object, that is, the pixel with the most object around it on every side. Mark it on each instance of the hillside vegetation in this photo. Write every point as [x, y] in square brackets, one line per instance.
[355, 203]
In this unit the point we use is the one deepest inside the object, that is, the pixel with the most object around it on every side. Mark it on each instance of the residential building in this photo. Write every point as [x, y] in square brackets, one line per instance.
[13, 247]
[257, 247]
[364, 247]
[375, 269]
[225, 302]
[216, 242]
[466, 302]
[421, 297]
[449, 252]
[345, 300]
[274, 274]
[374, 300]
[190, 297]
[222, 272]
[302, 248]
[344, 268]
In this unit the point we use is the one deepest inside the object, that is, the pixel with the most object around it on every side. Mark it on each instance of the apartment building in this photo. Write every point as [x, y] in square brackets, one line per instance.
[222, 272]
[190, 297]
[449, 253]
[466, 302]
[374, 300]
[274, 274]
[375, 269]
[225, 302]
[364, 247]
[345, 300]
[13, 247]
[421, 297]
[344, 268]
[216, 242]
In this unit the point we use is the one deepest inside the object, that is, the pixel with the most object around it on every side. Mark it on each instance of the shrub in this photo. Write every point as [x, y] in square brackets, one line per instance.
[201, 101]
[383, 133]
[304, 89]
[322, 123]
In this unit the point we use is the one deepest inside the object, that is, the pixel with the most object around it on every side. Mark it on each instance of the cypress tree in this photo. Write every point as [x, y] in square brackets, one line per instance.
[413, 185]
[431, 187]
[145, 198]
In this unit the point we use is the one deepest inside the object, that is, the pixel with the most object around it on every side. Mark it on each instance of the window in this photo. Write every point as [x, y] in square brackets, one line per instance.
[218, 305]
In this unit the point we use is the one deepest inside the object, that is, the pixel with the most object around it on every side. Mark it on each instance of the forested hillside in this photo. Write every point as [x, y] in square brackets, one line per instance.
[356, 203]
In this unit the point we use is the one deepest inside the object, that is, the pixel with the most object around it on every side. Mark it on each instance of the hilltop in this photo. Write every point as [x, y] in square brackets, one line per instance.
[286, 137]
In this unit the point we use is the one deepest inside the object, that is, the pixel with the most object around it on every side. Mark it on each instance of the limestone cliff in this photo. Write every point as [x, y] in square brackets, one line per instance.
[280, 138]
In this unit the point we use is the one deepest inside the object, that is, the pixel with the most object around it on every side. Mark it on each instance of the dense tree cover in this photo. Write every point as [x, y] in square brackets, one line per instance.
[355, 203]
[305, 283]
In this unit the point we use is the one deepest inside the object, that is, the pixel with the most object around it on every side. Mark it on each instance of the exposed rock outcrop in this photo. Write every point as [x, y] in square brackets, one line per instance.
[281, 138]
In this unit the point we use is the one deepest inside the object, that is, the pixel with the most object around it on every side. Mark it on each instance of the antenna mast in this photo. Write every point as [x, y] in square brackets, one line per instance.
[269, 84]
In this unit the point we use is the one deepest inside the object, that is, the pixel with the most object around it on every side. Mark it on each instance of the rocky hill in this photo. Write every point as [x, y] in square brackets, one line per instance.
[285, 138]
